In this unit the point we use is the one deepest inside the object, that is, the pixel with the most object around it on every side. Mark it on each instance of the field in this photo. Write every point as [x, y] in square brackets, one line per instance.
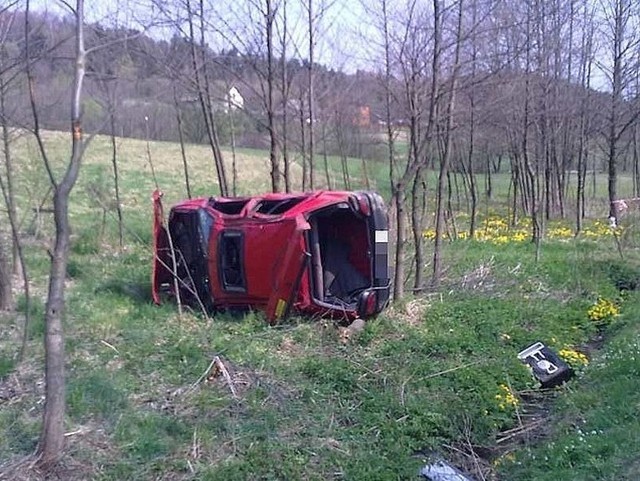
[435, 377]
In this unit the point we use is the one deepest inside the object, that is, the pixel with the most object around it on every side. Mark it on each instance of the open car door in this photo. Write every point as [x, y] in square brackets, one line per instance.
[289, 274]
[161, 273]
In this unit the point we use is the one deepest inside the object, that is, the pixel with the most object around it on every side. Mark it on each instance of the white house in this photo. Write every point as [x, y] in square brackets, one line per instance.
[233, 99]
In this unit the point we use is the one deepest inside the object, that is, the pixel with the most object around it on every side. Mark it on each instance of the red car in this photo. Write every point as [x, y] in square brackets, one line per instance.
[320, 253]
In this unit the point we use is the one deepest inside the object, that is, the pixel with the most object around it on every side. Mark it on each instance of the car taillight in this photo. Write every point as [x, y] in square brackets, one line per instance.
[363, 202]
[367, 304]
[372, 304]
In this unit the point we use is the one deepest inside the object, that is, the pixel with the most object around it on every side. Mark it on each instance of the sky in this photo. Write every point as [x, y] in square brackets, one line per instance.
[347, 38]
[339, 33]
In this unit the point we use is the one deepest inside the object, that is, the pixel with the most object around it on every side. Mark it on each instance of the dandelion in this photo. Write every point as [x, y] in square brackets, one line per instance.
[429, 234]
[505, 398]
[560, 233]
[505, 458]
[519, 236]
[603, 311]
[574, 358]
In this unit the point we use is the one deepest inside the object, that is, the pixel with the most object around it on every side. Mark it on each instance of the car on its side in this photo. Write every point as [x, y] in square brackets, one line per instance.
[321, 253]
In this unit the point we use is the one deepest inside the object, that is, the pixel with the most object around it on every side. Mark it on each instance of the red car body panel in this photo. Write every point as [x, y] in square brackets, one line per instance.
[316, 253]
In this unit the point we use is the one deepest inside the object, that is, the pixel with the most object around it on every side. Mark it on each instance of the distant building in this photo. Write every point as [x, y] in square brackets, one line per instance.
[362, 117]
[233, 100]
[223, 97]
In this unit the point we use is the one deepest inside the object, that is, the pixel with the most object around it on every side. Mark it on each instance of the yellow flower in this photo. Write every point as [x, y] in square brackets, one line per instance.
[560, 233]
[429, 234]
[506, 398]
[573, 358]
[603, 311]
[519, 236]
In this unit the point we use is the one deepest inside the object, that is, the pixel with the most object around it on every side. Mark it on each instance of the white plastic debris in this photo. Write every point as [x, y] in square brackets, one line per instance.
[441, 471]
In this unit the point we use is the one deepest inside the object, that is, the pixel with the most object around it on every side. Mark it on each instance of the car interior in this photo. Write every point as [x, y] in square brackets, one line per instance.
[340, 256]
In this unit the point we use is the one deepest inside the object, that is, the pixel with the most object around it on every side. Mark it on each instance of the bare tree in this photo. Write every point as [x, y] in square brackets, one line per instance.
[51, 443]
[446, 149]
[284, 93]
[185, 165]
[586, 64]
[622, 21]
[269, 14]
[310, 92]
[198, 59]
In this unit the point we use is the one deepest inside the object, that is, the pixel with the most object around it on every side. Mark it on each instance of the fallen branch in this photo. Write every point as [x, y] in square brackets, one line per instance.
[227, 378]
[110, 346]
[446, 371]
[204, 375]
[222, 369]
[525, 429]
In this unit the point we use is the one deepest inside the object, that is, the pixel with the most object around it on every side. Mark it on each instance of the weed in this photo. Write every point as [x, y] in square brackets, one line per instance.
[95, 394]
[6, 365]
[148, 436]
[36, 311]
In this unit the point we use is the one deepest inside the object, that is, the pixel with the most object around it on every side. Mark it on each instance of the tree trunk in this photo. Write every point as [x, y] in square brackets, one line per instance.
[285, 101]
[183, 154]
[52, 440]
[444, 162]
[310, 94]
[271, 126]
[204, 98]
[418, 206]
[401, 240]
[114, 164]
[8, 161]
[325, 156]
[303, 145]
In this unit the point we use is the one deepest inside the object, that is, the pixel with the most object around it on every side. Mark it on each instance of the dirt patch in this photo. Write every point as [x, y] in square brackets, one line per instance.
[411, 313]
[479, 279]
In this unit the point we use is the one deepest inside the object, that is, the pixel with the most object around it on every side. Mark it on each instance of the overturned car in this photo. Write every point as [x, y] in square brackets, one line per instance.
[321, 253]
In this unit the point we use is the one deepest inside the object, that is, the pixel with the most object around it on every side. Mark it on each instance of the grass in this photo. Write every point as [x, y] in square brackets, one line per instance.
[435, 375]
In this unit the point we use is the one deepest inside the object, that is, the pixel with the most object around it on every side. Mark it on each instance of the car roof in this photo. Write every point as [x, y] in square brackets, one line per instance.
[268, 205]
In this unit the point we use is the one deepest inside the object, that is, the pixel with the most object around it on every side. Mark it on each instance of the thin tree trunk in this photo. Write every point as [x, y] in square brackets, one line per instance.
[401, 239]
[444, 163]
[234, 160]
[273, 145]
[19, 263]
[303, 145]
[205, 99]
[183, 154]
[214, 139]
[342, 150]
[285, 101]
[418, 201]
[52, 440]
[114, 164]
[8, 161]
[325, 156]
[310, 101]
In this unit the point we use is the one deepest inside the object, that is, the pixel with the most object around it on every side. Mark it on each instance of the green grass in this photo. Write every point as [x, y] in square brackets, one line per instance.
[420, 380]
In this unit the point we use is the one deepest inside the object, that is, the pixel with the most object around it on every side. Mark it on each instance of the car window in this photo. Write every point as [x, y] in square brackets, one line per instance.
[231, 261]
[277, 207]
[232, 207]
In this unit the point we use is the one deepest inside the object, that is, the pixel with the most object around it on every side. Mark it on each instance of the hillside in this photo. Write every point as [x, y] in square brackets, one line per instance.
[435, 376]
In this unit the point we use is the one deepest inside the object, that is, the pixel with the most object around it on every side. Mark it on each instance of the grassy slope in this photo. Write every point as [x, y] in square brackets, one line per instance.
[422, 378]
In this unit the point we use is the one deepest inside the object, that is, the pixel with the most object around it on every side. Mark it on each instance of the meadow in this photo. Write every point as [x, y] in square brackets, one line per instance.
[436, 376]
